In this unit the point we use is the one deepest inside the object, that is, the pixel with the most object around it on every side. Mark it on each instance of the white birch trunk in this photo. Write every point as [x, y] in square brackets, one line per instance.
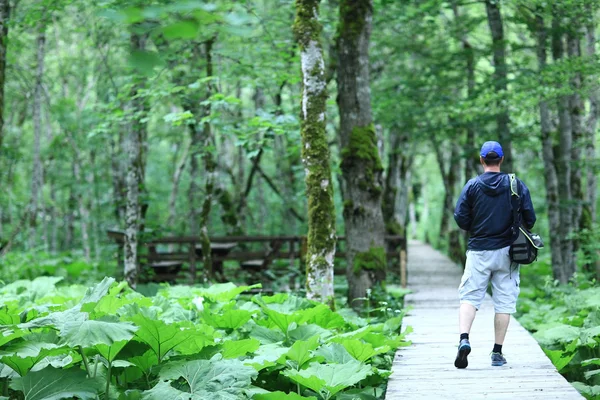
[315, 156]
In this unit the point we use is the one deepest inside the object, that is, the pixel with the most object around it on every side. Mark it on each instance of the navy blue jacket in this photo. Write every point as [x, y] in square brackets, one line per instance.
[484, 210]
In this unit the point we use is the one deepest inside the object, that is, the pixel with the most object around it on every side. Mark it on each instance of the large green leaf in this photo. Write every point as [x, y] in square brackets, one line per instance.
[161, 338]
[301, 351]
[282, 396]
[559, 358]
[206, 379]
[335, 353]
[145, 362]
[90, 333]
[225, 292]
[266, 335]
[94, 294]
[230, 319]
[55, 384]
[181, 30]
[330, 377]
[266, 356]
[305, 332]
[557, 334]
[23, 356]
[238, 348]
[363, 351]
[57, 320]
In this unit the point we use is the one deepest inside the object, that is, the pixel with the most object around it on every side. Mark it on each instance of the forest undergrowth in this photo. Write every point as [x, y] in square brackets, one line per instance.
[110, 342]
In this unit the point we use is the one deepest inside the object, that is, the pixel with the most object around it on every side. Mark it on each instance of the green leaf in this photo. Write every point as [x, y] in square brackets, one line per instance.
[282, 396]
[363, 351]
[266, 335]
[590, 391]
[323, 316]
[266, 356]
[145, 362]
[230, 319]
[90, 333]
[110, 352]
[23, 356]
[589, 374]
[558, 358]
[206, 379]
[301, 351]
[181, 30]
[161, 338]
[238, 348]
[225, 292]
[55, 384]
[335, 353]
[145, 61]
[305, 332]
[330, 377]
[95, 293]
[558, 334]
[591, 361]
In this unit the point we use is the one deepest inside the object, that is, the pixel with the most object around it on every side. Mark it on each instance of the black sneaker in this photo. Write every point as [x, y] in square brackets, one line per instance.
[498, 360]
[464, 348]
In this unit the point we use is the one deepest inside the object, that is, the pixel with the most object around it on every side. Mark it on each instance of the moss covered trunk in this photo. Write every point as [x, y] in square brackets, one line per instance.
[134, 171]
[315, 155]
[361, 165]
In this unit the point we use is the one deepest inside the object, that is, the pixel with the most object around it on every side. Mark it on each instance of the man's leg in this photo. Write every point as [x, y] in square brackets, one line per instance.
[466, 316]
[501, 322]
[471, 293]
[505, 291]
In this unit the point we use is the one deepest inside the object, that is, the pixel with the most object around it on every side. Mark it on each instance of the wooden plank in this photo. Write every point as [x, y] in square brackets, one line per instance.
[425, 370]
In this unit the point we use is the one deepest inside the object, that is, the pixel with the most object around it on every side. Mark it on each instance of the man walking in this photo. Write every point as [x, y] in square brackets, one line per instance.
[484, 210]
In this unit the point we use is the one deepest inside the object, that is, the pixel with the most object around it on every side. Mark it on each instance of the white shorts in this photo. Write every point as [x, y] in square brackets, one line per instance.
[493, 266]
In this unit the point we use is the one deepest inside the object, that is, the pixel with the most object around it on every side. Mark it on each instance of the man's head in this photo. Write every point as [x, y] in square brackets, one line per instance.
[491, 154]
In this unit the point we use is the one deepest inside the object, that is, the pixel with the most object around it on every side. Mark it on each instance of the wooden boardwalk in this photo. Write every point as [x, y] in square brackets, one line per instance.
[426, 369]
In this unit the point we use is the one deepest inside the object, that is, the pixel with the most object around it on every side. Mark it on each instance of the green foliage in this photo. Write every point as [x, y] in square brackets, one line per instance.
[374, 259]
[110, 339]
[565, 320]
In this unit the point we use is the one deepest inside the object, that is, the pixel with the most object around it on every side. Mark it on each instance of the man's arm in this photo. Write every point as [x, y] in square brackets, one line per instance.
[527, 212]
[462, 212]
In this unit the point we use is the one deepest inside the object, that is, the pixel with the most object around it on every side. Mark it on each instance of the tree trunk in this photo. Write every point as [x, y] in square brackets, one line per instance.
[591, 126]
[577, 110]
[361, 165]
[84, 215]
[315, 156]
[396, 158]
[495, 23]
[550, 173]
[563, 165]
[4, 17]
[118, 177]
[37, 175]
[179, 167]
[135, 172]
[209, 165]
[472, 155]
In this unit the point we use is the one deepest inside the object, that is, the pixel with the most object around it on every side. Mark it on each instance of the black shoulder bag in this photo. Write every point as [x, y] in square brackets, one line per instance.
[525, 247]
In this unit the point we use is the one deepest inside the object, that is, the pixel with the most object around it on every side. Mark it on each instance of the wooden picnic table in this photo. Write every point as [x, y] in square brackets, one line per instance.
[219, 252]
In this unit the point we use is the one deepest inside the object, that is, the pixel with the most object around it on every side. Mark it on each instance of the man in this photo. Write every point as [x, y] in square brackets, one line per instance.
[484, 210]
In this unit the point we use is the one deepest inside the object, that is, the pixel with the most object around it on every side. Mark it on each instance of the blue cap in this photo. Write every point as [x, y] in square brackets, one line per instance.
[489, 147]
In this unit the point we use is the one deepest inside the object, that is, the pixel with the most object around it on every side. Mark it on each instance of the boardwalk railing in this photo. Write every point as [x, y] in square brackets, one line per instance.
[166, 255]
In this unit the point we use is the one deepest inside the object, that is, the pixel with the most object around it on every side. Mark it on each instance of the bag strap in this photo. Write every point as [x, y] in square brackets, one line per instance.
[515, 200]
